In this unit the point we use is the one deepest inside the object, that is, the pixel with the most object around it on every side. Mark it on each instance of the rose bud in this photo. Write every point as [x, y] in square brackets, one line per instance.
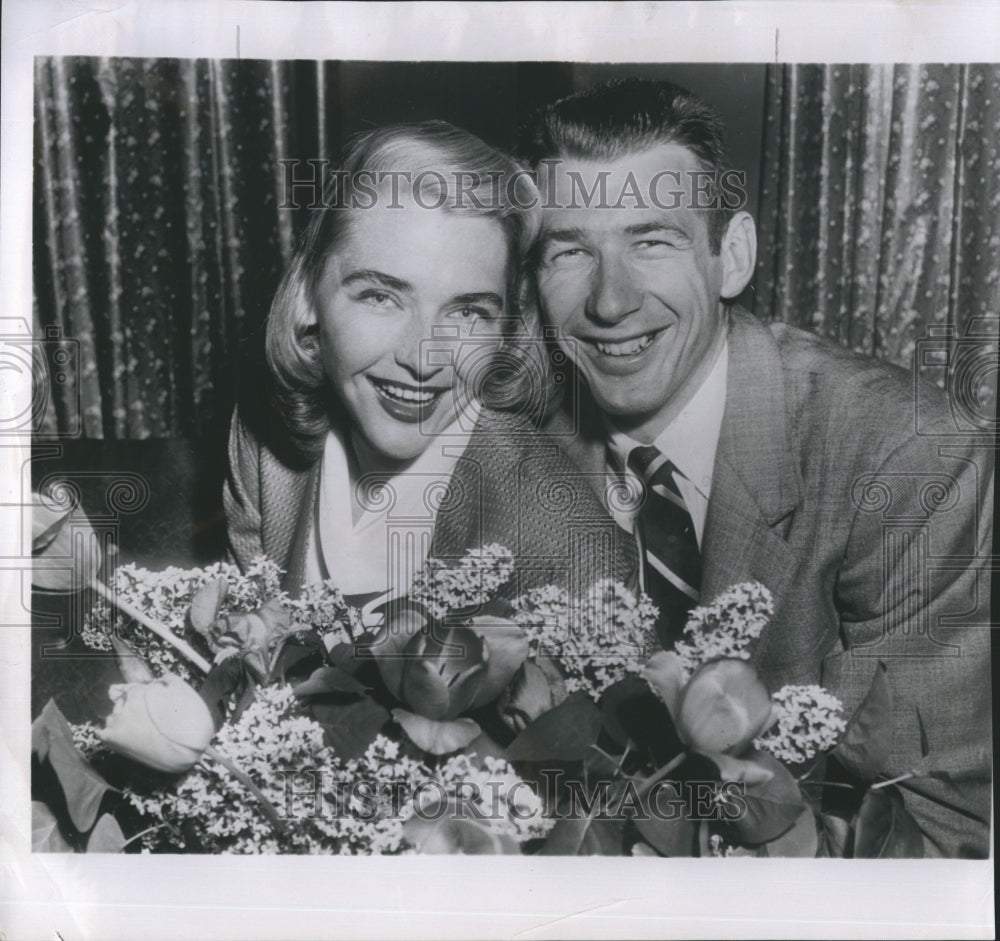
[723, 707]
[534, 690]
[164, 724]
[439, 675]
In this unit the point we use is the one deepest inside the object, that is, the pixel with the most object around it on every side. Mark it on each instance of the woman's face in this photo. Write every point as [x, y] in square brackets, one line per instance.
[397, 274]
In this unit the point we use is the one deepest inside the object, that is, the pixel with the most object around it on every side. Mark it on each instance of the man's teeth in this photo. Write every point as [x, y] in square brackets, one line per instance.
[626, 347]
[404, 394]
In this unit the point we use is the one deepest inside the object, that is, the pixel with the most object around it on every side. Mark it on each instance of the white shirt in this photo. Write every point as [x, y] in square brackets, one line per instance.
[689, 441]
[391, 540]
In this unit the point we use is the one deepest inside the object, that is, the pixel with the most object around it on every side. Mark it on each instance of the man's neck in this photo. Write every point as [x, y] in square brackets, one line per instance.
[645, 429]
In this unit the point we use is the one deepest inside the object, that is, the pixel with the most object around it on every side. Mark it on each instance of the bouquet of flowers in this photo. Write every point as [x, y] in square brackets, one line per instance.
[460, 721]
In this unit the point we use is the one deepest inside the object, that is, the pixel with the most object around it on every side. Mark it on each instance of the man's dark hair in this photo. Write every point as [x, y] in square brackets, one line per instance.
[608, 121]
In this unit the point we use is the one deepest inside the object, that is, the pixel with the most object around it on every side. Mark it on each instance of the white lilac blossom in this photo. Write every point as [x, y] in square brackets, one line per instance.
[726, 627]
[509, 806]
[596, 642]
[166, 597]
[472, 582]
[330, 806]
[810, 721]
[87, 738]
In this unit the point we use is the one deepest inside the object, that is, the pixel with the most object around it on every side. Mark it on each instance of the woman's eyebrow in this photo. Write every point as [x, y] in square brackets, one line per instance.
[379, 277]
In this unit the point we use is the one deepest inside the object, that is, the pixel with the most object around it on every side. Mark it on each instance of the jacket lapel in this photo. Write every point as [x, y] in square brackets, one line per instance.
[756, 482]
[295, 537]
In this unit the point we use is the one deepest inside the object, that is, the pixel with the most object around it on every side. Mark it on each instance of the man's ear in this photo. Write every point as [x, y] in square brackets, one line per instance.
[739, 254]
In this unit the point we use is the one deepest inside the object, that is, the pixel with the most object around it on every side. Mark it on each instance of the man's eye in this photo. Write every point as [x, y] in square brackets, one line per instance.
[653, 244]
[468, 312]
[567, 256]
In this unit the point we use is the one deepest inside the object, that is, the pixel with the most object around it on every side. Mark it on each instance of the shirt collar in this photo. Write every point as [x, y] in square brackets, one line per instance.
[692, 438]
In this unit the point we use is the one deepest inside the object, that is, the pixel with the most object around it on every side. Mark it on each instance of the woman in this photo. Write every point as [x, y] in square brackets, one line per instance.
[406, 377]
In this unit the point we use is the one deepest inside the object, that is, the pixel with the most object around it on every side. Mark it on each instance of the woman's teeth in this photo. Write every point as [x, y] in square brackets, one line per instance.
[404, 393]
[625, 347]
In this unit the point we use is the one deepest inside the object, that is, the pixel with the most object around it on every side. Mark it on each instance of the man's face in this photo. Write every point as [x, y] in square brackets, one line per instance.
[634, 290]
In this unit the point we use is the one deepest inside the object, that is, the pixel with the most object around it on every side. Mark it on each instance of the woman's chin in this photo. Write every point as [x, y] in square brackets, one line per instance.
[390, 452]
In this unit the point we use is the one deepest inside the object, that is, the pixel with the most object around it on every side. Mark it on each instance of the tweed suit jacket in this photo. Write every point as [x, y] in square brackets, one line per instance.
[846, 488]
[512, 485]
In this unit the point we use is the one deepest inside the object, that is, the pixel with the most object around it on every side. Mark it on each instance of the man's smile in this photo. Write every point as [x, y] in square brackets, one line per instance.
[627, 349]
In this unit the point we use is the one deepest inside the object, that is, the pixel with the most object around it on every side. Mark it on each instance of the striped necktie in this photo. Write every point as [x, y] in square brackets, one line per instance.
[668, 543]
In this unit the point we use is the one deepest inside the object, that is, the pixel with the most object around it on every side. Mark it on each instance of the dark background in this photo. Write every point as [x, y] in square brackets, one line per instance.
[158, 242]
[159, 395]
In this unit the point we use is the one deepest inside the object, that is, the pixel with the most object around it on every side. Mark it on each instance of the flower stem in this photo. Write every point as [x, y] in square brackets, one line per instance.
[142, 833]
[674, 762]
[843, 784]
[902, 777]
[269, 809]
[181, 645]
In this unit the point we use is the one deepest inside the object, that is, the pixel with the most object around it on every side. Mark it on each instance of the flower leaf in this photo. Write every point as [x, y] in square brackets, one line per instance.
[633, 713]
[106, 837]
[226, 678]
[437, 737]
[669, 833]
[665, 676]
[453, 833]
[565, 733]
[801, 840]
[584, 836]
[45, 835]
[884, 828]
[48, 516]
[82, 786]
[507, 647]
[294, 649]
[326, 680]
[206, 604]
[835, 835]
[350, 728]
[403, 621]
[67, 559]
[133, 667]
[771, 797]
[867, 743]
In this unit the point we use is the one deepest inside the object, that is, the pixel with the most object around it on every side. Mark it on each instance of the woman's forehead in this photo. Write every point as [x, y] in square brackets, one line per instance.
[416, 245]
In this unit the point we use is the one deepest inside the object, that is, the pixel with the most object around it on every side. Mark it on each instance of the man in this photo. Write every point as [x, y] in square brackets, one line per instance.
[763, 452]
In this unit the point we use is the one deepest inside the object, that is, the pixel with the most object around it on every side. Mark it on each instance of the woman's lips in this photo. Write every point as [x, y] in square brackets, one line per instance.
[407, 403]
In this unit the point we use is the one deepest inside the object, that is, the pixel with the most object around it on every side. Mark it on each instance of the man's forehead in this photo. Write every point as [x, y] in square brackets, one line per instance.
[660, 162]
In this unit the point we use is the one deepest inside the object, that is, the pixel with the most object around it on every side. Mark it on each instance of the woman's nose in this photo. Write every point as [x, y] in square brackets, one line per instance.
[416, 345]
[613, 294]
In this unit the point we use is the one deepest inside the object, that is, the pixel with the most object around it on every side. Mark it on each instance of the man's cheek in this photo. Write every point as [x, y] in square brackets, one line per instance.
[561, 296]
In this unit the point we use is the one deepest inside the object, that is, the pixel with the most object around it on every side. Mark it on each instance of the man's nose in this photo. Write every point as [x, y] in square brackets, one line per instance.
[614, 295]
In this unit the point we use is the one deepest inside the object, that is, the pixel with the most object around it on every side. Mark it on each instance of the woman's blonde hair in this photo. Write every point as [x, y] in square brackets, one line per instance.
[448, 169]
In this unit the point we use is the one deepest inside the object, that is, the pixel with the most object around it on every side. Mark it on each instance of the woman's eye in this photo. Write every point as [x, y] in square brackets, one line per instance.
[378, 299]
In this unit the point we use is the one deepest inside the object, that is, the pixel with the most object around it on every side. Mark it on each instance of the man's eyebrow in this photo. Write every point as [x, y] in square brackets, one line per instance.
[379, 277]
[482, 297]
[562, 235]
[647, 228]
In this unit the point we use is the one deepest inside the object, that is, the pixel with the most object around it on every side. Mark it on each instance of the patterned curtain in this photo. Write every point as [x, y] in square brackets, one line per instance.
[880, 211]
[157, 237]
